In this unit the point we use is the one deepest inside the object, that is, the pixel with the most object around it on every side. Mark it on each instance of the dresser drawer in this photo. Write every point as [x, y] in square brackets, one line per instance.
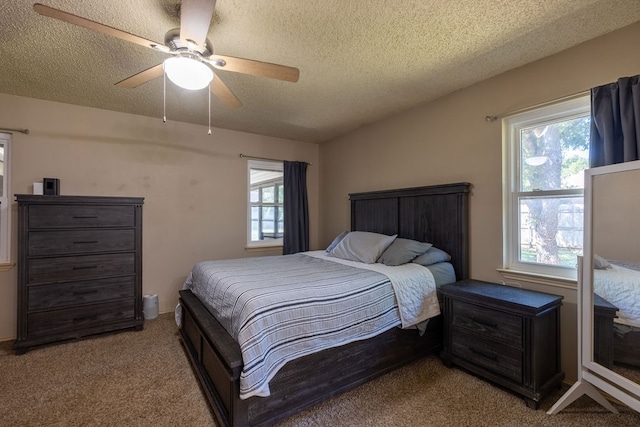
[78, 318]
[488, 323]
[56, 242]
[80, 293]
[498, 358]
[66, 269]
[72, 216]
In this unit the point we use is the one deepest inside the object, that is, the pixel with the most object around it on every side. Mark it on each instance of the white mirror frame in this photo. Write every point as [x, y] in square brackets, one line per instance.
[607, 380]
[590, 373]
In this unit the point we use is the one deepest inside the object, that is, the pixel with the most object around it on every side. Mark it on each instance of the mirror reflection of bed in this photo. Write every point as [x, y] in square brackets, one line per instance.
[616, 272]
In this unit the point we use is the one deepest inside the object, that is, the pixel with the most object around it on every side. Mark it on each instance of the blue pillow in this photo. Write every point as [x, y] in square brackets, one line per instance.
[600, 263]
[403, 251]
[432, 256]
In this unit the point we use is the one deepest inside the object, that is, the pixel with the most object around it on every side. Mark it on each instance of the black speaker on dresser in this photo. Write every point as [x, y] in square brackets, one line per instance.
[51, 186]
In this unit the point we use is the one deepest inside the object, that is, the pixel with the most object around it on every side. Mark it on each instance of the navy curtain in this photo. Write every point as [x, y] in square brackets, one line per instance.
[296, 208]
[615, 122]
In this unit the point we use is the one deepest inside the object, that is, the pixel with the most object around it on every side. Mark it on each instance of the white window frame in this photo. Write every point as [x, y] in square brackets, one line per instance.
[5, 203]
[511, 127]
[268, 165]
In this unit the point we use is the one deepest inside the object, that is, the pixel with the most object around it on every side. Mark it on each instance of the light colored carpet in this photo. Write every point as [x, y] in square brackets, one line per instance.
[144, 379]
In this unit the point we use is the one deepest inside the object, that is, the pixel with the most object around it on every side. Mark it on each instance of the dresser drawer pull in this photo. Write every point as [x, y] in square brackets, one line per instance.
[483, 354]
[484, 322]
[82, 319]
[85, 267]
[85, 217]
[85, 242]
[78, 293]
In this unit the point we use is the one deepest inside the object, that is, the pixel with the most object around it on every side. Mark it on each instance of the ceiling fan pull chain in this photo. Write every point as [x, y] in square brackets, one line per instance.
[209, 133]
[164, 97]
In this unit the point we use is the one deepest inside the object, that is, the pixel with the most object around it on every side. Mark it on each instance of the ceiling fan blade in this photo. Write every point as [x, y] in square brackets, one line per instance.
[195, 19]
[95, 26]
[256, 68]
[142, 77]
[224, 94]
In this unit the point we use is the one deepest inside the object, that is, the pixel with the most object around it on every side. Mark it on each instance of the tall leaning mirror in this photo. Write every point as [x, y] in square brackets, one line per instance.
[609, 289]
[611, 276]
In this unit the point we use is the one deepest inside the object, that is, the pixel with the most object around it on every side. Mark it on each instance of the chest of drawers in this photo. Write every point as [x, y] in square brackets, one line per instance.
[510, 336]
[79, 267]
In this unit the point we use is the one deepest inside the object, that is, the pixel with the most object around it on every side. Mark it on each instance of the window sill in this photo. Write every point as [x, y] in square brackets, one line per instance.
[263, 248]
[6, 266]
[538, 279]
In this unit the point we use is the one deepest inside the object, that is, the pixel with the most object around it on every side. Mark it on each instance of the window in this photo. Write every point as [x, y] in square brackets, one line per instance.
[5, 202]
[266, 209]
[546, 153]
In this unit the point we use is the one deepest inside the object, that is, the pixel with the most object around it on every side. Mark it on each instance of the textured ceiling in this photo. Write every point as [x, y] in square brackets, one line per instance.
[359, 60]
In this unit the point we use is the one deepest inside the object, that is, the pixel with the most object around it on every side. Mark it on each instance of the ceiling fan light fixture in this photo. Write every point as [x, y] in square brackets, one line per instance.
[188, 73]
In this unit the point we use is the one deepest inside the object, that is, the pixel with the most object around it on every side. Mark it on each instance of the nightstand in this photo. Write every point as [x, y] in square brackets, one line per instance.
[603, 314]
[508, 335]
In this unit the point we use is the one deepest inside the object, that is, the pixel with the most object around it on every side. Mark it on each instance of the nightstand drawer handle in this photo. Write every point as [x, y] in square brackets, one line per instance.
[85, 267]
[483, 354]
[85, 242]
[85, 217]
[485, 323]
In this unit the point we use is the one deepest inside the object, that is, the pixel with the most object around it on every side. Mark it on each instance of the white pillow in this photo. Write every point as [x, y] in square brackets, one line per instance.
[362, 246]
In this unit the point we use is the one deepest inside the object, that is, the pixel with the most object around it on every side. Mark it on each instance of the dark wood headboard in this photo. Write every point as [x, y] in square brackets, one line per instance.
[437, 214]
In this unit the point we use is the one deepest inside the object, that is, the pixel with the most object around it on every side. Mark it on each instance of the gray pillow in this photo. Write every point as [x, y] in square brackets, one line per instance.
[402, 251]
[362, 246]
[600, 263]
[337, 240]
[432, 256]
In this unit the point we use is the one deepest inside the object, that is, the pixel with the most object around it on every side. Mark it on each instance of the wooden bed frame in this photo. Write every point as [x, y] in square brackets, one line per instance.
[626, 349]
[436, 214]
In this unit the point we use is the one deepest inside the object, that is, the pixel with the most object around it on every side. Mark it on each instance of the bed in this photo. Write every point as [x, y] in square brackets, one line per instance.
[435, 214]
[617, 290]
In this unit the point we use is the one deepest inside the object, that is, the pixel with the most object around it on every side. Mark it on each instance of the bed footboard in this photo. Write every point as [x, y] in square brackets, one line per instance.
[216, 360]
[301, 383]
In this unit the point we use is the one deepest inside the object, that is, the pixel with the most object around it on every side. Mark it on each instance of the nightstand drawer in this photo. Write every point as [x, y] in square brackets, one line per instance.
[78, 293]
[488, 323]
[497, 358]
[71, 216]
[66, 269]
[73, 319]
[63, 242]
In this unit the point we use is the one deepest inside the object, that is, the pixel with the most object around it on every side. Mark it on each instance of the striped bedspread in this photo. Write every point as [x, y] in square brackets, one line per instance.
[284, 307]
[620, 285]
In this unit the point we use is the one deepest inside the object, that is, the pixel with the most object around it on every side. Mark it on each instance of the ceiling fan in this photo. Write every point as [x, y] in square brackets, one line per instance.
[192, 53]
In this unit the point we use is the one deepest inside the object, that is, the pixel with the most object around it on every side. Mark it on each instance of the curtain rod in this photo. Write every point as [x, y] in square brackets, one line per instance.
[265, 158]
[495, 117]
[25, 131]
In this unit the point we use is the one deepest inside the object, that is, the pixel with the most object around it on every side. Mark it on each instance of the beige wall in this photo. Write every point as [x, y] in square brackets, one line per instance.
[449, 141]
[194, 185]
[616, 204]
